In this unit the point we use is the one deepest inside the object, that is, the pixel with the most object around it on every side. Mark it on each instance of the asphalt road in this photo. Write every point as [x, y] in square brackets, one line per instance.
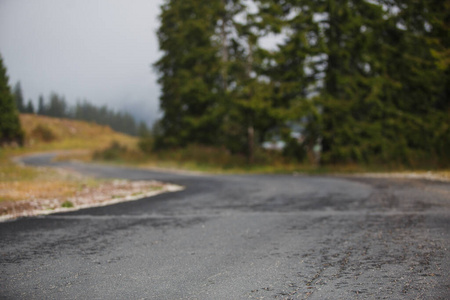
[237, 237]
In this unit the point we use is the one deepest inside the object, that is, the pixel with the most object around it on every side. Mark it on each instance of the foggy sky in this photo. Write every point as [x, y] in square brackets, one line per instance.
[99, 50]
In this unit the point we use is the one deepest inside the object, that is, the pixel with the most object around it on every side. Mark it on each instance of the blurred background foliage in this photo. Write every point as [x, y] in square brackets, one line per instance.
[347, 82]
[364, 82]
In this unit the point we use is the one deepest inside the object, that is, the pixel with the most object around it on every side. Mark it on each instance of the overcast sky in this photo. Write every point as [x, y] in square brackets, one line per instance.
[99, 50]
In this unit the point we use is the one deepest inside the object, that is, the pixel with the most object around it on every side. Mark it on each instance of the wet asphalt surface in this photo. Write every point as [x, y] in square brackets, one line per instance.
[237, 237]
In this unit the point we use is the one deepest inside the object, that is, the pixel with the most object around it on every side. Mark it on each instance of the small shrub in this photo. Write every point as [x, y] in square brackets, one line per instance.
[67, 204]
[113, 152]
[43, 133]
[146, 144]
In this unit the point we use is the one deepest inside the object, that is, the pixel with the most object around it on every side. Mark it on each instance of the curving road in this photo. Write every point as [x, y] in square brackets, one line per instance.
[237, 237]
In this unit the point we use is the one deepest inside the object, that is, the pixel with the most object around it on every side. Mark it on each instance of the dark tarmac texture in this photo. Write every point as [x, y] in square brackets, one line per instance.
[237, 237]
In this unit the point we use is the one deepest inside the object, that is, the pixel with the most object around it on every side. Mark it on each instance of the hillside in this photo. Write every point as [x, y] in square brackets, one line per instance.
[25, 190]
[46, 133]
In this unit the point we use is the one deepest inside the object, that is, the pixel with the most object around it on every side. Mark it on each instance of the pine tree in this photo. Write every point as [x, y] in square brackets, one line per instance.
[439, 41]
[10, 129]
[370, 79]
[41, 106]
[250, 103]
[350, 106]
[57, 106]
[211, 89]
[119, 121]
[295, 68]
[190, 72]
[415, 89]
[29, 109]
[18, 97]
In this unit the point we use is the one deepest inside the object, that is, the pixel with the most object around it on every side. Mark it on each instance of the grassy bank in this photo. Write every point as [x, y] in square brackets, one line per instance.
[219, 160]
[101, 144]
[20, 182]
[50, 134]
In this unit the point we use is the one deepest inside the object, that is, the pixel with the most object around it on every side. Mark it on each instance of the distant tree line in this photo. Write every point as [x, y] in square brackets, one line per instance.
[367, 81]
[56, 106]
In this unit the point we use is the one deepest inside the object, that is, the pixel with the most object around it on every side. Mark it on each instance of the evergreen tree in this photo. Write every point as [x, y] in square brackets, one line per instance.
[351, 108]
[370, 79]
[18, 97]
[295, 69]
[41, 106]
[211, 92]
[122, 122]
[30, 107]
[411, 87]
[439, 41]
[10, 129]
[382, 92]
[250, 105]
[57, 106]
[190, 72]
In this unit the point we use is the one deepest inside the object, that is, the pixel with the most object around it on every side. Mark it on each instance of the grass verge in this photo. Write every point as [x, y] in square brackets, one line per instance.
[216, 160]
[102, 144]
[42, 134]
[19, 182]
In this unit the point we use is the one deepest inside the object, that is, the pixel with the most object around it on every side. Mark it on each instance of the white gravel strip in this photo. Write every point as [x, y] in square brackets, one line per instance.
[122, 191]
[410, 175]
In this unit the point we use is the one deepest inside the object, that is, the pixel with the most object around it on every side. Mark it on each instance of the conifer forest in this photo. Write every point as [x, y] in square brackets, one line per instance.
[56, 106]
[364, 81]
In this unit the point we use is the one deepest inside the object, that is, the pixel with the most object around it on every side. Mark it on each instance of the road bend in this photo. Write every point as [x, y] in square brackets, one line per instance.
[237, 237]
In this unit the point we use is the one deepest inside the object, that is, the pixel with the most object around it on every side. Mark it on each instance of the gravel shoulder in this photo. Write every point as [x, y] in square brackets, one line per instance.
[106, 192]
[443, 176]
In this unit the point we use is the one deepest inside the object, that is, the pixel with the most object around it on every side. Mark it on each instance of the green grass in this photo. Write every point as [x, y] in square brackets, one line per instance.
[217, 160]
[67, 204]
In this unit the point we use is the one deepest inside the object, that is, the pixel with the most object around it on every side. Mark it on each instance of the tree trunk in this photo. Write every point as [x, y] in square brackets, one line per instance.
[251, 142]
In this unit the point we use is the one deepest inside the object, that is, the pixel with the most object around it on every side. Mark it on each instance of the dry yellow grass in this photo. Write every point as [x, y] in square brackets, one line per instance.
[445, 174]
[22, 183]
[37, 189]
[70, 134]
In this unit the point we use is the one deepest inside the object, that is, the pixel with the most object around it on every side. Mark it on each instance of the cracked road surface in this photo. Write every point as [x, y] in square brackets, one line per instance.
[237, 237]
